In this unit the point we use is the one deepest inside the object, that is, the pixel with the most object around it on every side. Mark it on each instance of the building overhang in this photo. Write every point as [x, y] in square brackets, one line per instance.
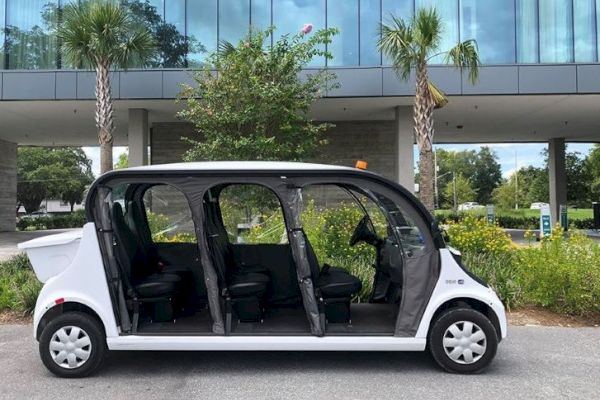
[510, 103]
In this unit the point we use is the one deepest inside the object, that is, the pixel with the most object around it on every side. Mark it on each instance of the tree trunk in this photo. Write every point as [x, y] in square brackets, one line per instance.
[104, 115]
[423, 119]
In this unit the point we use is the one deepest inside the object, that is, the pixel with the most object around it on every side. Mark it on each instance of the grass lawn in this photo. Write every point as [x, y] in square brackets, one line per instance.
[572, 213]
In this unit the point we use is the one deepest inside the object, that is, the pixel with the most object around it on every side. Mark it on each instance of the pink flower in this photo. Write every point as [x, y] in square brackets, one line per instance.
[307, 28]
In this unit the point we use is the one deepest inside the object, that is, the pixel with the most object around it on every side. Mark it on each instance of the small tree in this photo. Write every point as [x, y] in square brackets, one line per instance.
[412, 45]
[461, 189]
[46, 172]
[101, 34]
[122, 162]
[255, 106]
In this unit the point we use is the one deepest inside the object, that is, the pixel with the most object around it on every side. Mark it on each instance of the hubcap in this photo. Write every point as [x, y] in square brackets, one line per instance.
[70, 347]
[464, 342]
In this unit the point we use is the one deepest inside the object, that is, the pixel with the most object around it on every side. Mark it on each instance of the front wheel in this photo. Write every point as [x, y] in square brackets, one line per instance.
[462, 340]
[72, 345]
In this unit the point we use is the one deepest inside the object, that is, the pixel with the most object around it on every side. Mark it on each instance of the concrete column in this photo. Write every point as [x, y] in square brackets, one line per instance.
[557, 174]
[405, 141]
[138, 134]
[8, 186]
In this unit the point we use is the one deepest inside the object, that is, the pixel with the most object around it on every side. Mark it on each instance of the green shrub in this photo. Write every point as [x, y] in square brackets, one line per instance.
[562, 274]
[499, 270]
[19, 287]
[475, 235]
[76, 219]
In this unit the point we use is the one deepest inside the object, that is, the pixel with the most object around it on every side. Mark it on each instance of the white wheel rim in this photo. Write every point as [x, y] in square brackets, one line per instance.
[70, 347]
[464, 342]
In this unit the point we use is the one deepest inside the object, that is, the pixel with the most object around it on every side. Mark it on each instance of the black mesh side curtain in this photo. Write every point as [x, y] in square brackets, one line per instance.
[421, 273]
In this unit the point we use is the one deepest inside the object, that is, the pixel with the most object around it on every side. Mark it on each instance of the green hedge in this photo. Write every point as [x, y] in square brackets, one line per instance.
[19, 287]
[561, 273]
[512, 221]
[75, 219]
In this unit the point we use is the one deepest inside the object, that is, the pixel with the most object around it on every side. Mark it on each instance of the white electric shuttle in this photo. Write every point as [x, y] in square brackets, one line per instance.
[236, 256]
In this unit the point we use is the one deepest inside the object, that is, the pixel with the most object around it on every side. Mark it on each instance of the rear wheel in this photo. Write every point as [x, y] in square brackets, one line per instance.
[462, 340]
[72, 345]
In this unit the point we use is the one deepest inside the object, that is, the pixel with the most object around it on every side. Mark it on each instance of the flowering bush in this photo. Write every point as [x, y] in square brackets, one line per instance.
[476, 235]
[562, 273]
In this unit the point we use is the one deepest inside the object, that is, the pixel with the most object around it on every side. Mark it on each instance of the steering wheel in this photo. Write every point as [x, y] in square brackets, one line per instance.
[363, 232]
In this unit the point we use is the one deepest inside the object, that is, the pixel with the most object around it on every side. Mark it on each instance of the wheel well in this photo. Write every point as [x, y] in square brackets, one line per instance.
[475, 305]
[64, 308]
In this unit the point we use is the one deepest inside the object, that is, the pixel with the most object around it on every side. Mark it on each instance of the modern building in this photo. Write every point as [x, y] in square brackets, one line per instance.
[539, 83]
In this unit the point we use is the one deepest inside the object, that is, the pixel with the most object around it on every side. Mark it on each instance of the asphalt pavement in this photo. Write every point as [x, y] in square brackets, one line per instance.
[532, 363]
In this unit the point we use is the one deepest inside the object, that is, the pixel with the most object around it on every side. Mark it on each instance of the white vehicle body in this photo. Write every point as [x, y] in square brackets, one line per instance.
[73, 268]
[82, 280]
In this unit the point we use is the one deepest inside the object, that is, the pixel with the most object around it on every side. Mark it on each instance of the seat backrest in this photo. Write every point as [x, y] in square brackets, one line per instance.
[127, 245]
[138, 226]
[312, 259]
[123, 248]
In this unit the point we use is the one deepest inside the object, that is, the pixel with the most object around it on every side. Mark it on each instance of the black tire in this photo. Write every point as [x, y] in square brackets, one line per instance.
[444, 321]
[97, 349]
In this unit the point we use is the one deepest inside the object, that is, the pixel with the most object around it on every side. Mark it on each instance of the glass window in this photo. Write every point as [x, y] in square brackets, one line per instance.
[201, 21]
[169, 215]
[2, 34]
[234, 19]
[492, 24]
[556, 31]
[30, 41]
[448, 12]
[409, 232]
[175, 14]
[343, 15]
[260, 14]
[527, 31]
[289, 16]
[584, 30]
[252, 214]
[370, 16]
[399, 9]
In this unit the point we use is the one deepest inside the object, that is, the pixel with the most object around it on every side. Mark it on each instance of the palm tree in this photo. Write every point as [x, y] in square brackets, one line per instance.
[101, 35]
[413, 45]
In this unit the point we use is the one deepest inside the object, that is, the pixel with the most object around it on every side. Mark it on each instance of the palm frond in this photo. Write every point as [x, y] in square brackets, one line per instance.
[94, 31]
[428, 29]
[226, 48]
[465, 55]
[440, 99]
[396, 43]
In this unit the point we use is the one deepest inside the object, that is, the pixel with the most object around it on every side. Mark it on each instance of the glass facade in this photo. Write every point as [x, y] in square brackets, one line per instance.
[506, 31]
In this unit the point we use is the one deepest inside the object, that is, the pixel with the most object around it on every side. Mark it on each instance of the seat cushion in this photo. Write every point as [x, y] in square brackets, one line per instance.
[154, 289]
[251, 284]
[162, 277]
[339, 284]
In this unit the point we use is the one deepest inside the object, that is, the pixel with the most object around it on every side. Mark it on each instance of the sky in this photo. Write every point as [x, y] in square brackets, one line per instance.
[526, 153]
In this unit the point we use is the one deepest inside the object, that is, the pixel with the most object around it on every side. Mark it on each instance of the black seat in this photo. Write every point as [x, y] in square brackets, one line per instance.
[140, 290]
[128, 247]
[147, 251]
[243, 290]
[339, 284]
[334, 286]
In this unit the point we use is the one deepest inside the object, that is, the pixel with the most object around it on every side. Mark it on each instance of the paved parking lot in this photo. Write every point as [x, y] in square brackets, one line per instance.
[533, 363]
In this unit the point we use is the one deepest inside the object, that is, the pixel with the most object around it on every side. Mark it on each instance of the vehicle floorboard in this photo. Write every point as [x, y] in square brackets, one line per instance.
[367, 319]
[199, 323]
[282, 321]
